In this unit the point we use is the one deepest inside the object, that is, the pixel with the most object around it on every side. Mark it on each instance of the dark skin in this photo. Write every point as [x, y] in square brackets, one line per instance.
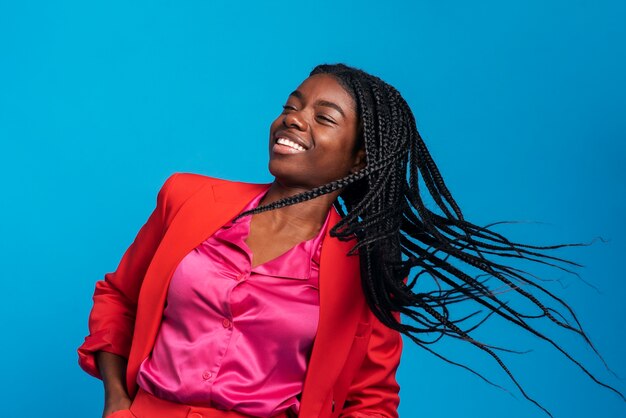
[320, 116]
[113, 370]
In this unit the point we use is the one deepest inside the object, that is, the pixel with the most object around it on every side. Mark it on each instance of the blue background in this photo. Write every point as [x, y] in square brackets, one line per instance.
[522, 104]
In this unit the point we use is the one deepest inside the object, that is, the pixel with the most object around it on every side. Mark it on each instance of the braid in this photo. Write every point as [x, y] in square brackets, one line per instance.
[397, 235]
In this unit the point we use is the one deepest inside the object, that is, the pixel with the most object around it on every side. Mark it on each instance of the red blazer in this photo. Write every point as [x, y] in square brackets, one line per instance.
[352, 368]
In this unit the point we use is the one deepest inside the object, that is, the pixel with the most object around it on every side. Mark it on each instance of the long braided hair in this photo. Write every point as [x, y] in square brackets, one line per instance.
[398, 235]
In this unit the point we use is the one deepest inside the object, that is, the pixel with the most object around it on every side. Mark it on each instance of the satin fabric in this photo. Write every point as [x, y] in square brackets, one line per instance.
[236, 337]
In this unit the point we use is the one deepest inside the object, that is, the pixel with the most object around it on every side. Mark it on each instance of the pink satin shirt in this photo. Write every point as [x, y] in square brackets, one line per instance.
[236, 337]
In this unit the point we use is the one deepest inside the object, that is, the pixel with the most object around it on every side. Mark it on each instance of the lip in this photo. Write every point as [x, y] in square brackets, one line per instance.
[292, 137]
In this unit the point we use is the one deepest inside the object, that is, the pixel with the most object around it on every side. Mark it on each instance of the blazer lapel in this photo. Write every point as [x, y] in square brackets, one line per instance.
[199, 217]
[341, 305]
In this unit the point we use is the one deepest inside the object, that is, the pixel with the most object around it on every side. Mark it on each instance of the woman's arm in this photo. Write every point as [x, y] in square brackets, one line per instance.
[112, 318]
[112, 368]
[111, 321]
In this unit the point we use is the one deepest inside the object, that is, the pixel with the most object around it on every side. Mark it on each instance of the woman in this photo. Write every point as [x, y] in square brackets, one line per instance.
[307, 275]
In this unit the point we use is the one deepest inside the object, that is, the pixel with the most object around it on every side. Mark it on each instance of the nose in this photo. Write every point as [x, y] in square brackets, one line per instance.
[294, 119]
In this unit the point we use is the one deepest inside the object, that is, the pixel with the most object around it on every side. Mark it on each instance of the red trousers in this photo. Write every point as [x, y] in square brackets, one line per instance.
[146, 405]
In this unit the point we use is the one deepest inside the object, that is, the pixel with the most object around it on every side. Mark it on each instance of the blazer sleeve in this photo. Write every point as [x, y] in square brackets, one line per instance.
[112, 317]
[374, 390]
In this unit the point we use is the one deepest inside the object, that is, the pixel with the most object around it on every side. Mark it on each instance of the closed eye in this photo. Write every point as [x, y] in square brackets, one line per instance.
[326, 119]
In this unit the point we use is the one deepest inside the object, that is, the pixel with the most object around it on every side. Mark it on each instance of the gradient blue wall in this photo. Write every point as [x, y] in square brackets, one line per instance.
[522, 104]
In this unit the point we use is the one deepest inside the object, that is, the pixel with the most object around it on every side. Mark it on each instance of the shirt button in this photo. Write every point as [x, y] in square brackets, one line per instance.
[226, 323]
[195, 415]
[207, 375]
[240, 276]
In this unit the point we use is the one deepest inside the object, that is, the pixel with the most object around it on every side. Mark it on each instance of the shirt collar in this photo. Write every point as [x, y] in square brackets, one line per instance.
[299, 262]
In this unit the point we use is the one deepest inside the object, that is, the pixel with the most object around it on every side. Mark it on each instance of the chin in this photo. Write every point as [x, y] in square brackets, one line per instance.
[280, 170]
[288, 176]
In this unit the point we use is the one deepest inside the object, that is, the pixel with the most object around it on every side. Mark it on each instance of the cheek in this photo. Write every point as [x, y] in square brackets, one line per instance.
[339, 156]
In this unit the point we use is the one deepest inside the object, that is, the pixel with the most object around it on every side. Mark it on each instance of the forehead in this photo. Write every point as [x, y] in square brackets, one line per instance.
[326, 87]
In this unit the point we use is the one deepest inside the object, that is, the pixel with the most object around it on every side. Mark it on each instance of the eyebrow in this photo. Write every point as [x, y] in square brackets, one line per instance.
[326, 103]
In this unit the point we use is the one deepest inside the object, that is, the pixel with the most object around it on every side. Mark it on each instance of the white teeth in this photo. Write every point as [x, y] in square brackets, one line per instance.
[291, 144]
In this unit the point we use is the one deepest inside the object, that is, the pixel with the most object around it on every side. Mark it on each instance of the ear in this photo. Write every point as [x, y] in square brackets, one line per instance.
[359, 161]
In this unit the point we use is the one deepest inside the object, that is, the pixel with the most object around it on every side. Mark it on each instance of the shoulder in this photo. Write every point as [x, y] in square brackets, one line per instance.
[179, 187]
[194, 180]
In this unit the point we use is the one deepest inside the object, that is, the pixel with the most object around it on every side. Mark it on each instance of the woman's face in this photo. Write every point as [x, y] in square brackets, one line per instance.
[312, 142]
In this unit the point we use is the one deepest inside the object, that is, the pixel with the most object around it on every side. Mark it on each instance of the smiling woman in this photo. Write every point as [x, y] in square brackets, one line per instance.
[284, 299]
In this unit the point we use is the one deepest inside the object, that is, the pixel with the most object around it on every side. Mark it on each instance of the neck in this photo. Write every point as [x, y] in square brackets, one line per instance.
[309, 214]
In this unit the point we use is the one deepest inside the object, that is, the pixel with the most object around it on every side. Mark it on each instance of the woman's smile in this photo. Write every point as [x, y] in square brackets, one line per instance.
[285, 146]
[288, 143]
